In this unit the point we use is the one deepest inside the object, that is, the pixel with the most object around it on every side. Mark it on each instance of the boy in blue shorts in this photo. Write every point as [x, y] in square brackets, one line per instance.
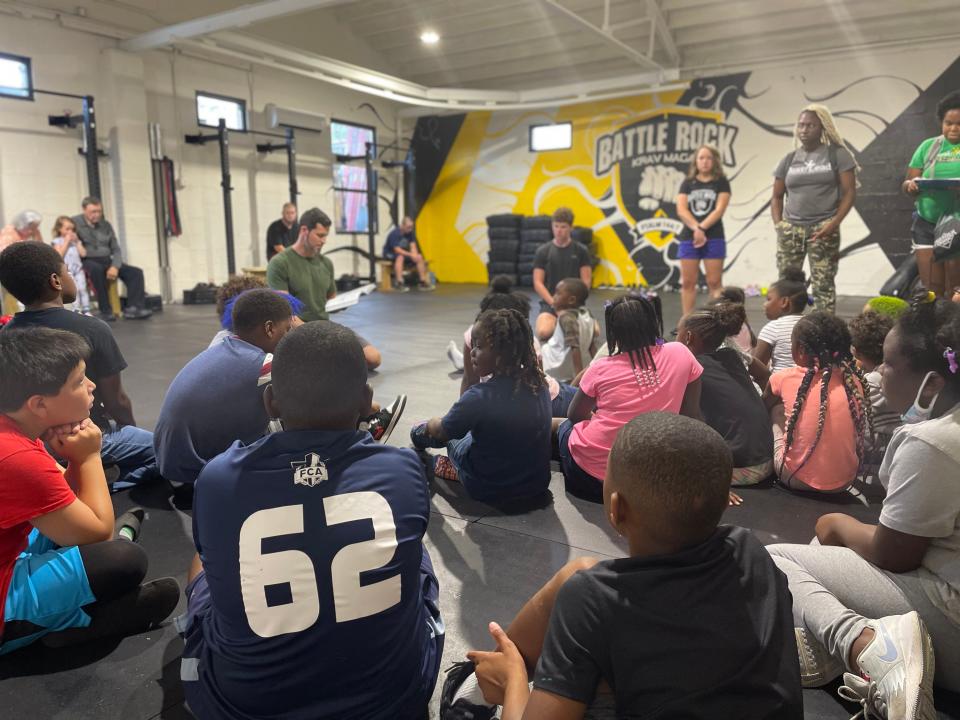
[696, 623]
[62, 578]
[312, 595]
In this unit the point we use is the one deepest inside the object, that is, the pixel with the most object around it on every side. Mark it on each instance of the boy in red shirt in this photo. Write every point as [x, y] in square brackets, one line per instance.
[62, 578]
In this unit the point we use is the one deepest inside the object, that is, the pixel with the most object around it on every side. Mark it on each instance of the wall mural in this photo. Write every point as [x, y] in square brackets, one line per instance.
[629, 156]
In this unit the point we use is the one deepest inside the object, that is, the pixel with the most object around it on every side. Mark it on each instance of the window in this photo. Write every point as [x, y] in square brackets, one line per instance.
[210, 108]
[551, 137]
[350, 139]
[15, 77]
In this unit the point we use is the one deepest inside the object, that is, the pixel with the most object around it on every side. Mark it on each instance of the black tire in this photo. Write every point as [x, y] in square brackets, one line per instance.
[529, 248]
[501, 268]
[526, 281]
[536, 235]
[503, 233]
[504, 220]
[583, 235]
[526, 255]
[525, 268]
[541, 222]
[497, 255]
[510, 246]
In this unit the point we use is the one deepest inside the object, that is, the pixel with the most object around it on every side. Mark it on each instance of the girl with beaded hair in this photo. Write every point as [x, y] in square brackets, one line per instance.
[814, 188]
[820, 409]
[643, 373]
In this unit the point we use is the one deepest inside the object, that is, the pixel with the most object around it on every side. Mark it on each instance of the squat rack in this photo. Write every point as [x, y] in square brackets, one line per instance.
[222, 137]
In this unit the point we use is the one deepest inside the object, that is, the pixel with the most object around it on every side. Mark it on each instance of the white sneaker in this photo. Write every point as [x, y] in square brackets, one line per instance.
[456, 357]
[898, 666]
[817, 666]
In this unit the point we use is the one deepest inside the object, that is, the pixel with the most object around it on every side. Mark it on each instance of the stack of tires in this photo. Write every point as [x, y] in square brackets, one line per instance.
[503, 232]
[584, 236]
[534, 232]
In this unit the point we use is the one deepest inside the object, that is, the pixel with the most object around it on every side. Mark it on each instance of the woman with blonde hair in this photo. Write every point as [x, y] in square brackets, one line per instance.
[701, 202]
[814, 188]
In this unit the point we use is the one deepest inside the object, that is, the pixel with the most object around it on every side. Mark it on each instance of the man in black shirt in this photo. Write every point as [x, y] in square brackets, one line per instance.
[36, 275]
[696, 623]
[282, 233]
[561, 258]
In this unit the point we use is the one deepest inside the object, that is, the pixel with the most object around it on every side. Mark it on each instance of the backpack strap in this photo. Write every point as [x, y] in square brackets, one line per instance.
[931, 158]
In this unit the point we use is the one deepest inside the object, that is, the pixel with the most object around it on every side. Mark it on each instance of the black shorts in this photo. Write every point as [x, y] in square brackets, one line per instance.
[922, 231]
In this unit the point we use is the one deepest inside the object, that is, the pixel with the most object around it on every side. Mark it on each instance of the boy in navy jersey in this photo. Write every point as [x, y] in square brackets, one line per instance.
[312, 595]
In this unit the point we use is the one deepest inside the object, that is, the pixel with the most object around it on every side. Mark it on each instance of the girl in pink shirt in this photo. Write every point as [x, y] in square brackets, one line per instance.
[642, 374]
[820, 410]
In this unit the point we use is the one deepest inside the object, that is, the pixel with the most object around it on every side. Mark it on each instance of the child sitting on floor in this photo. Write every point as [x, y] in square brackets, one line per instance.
[226, 293]
[744, 338]
[729, 403]
[503, 299]
[312, 538]
[867, 333]
[500, 295]
[642, 374]
[497, 434]
[63, 580]
[787, 298]
[819, 408]
[574, 339]
[642, 636]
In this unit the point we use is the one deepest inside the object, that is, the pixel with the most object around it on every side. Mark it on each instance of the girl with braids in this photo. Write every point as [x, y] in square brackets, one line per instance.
[786, 300]
[882, 601]
[814, 188]
[820, 409]
[729, 402]
[642, 374]
[497, 434]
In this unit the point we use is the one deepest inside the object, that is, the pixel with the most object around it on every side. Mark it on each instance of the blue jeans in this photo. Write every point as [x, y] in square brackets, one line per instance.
[131, 449]
[457, 452]
[561, 403]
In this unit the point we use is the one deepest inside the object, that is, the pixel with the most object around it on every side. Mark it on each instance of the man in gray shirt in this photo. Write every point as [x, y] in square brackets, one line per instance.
[104, 261]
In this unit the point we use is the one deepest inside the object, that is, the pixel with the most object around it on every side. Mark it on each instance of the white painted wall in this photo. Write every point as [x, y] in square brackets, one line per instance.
[40, 168]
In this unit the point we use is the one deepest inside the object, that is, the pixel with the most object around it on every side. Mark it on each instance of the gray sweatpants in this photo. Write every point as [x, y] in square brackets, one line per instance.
[835, 592]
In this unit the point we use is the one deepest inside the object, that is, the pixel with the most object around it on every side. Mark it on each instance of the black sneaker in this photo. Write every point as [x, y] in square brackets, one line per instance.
[382, 423]
[135, 313]
[426, 287]
[128, 524]
[400, 287]
[461, 709]
[106, 317]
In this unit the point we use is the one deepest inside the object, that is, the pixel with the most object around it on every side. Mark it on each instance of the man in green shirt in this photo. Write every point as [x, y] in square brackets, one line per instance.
[307, 275]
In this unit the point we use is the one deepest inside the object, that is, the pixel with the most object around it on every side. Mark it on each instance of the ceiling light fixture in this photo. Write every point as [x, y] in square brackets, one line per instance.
[429, 37]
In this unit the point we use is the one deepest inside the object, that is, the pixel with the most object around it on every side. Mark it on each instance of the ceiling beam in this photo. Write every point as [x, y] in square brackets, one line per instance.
[238, 17]
[633, 53]
[662, 31]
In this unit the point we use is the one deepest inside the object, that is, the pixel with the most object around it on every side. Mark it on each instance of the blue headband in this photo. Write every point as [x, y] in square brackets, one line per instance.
[226, 320]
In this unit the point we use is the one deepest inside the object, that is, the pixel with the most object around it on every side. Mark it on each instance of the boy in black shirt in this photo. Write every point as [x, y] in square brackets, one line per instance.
[696, 623]
[35, 274]
[562, 257]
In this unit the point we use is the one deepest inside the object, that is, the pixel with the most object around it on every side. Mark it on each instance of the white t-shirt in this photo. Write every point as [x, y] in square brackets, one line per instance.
[777, 334]
[574, 333]
[921, 473]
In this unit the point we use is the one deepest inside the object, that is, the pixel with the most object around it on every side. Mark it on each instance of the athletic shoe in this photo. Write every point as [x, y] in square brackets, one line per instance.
[444, 468]
[400, 287]
[107, 317]
[455, 355]
[135, 313]
[422, 441]
[898, 670]
[817, 666]
[457, 705]
[128, 524]
[426, 287]
[382, 423]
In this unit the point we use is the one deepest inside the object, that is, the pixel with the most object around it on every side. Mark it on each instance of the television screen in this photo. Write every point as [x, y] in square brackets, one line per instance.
[551, 137]
[210, 108]
[351, 140]
[349, 177]
[15, 80]
[350, 211]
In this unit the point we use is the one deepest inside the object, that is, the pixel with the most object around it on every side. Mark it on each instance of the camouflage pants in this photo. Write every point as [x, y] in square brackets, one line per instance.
[793, 246]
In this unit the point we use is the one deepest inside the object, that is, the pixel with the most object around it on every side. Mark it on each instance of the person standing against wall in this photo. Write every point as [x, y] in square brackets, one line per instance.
[814, 188]
[282, 233]
[937, 157]
[701, 202]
